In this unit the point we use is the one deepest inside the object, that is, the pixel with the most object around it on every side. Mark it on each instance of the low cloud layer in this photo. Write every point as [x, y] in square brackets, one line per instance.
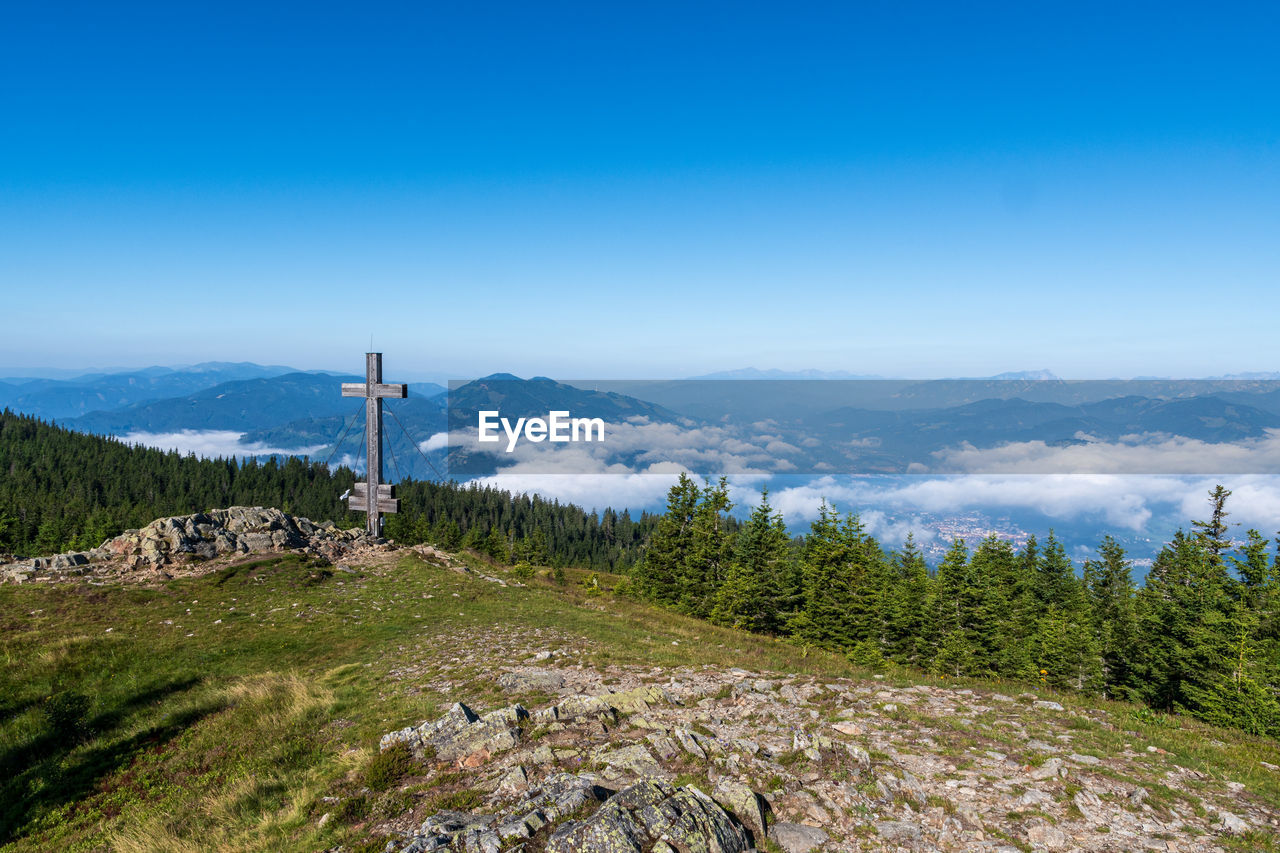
[732, 449]
[592, 491]
[1132, 454]
[1126, 502]
[211, 444]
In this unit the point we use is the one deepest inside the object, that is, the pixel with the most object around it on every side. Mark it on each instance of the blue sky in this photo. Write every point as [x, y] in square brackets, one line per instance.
[644, 190]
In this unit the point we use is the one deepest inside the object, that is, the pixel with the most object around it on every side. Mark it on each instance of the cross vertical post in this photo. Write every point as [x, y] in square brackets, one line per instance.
[372, 497]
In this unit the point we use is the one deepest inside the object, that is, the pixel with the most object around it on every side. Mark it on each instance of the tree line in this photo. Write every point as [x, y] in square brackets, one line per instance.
[1201, 635]
[61, 490]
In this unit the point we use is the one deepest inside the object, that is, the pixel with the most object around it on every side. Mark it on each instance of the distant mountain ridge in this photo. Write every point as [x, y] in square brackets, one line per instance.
[59, 399]
[891, 422]
[516, 397]
[775, 373]
[242, 405]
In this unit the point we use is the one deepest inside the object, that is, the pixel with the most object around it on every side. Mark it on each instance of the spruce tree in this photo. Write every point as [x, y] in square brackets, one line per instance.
[1110, 591]
[707, 561]
[1056, 584]
[871, 581]
[954, 654]
[1213, 533]
[910, 629]
[985, 606]
[658, 575]
[752, 595]
[824, 618]
[1184, 616]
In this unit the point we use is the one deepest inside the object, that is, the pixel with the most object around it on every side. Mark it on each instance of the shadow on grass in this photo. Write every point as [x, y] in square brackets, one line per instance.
[55, 769]
[14, 708]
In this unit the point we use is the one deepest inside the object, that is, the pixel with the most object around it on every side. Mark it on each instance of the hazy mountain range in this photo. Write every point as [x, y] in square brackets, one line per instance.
[839, 425]
[780, 427]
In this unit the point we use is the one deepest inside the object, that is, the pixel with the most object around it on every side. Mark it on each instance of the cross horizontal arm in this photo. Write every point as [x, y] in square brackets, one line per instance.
[360, 503]
[385, 490]
[361, 389]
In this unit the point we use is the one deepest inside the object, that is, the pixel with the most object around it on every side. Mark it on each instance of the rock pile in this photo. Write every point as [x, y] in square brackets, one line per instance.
[197, 538]
[651, 815]
[463, 736]
[236, 530]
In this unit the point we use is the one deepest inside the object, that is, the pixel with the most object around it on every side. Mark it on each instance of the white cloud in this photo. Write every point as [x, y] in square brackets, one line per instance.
[591, 491]
[211, 444]
[1121, 501]
[779, 447]
[439, 441]
[642, 445]
[1132, 454]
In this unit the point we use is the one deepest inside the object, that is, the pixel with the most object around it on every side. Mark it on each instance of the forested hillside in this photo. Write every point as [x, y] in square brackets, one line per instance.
[64, 490]
[1202, 635]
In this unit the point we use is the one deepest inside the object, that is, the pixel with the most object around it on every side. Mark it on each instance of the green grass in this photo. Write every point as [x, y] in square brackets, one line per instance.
[214, 712]
[217, 713]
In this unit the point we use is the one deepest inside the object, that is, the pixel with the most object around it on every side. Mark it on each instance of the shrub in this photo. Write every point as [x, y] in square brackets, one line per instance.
[68, 715]
[389, 767]
[868, 654]
[456, 801]
[352, 810]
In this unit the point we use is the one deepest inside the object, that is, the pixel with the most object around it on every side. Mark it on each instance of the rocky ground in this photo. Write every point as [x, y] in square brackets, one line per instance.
[196, 544]
[623, 759]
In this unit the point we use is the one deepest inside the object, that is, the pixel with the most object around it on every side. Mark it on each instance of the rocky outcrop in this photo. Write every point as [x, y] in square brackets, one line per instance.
[647, 817]
[461, 735]
[197, 538]
[70, 563]
[237, 530]
[469, 739]
[806, 764]
[653, 816]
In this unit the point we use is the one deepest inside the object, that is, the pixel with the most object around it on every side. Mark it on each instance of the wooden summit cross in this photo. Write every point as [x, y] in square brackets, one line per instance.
[373, 497]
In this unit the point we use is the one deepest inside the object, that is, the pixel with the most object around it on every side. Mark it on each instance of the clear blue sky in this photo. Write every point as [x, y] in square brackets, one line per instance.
[600, 189]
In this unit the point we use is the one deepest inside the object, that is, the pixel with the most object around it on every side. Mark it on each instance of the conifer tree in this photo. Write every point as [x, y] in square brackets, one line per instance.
[910, 629]
[954, 652]
[871, 581]
[985, 606]
[1056, 584]
[658, 575]
[752, 594]
[1110, 591]
[824, 619]
[707, 561]
[1213, 533]
[1184, 615]
[1022, 612]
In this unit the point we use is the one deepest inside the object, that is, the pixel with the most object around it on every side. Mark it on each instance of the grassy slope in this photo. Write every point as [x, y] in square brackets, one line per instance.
[202, 734]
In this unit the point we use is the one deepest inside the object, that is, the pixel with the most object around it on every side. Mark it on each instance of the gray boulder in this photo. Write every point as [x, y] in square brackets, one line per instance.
[797, 837]
[529, 680]
[745, 803]
[648, 815]
[461, 733]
